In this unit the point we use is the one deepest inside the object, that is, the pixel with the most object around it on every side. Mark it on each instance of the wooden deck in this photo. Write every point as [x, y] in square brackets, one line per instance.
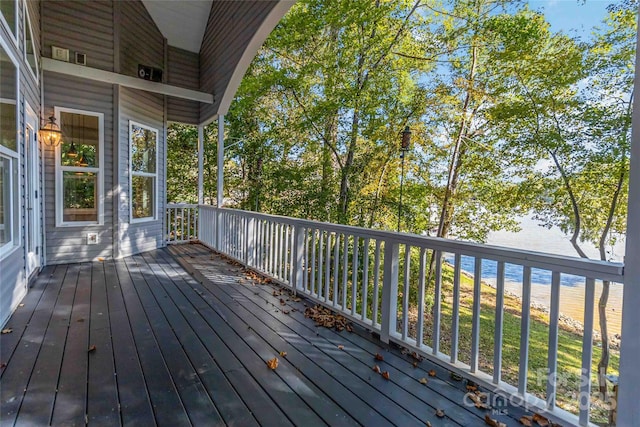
[179, 347]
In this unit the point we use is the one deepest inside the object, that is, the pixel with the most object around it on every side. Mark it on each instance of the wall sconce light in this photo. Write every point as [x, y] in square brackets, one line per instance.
[50, 133]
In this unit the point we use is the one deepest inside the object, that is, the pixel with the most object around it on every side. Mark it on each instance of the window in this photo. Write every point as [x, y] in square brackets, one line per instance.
[9, 14]
[9, 236]
[29, 44]
[143, 162]
[79, 168]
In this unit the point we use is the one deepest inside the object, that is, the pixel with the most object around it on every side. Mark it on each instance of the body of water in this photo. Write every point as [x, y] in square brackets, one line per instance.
[532, 237]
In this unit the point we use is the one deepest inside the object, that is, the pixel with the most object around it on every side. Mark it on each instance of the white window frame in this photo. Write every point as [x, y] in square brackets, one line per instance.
[5, 23]
[99, 171]
[144, 174]
[27, 19]
[16, 195]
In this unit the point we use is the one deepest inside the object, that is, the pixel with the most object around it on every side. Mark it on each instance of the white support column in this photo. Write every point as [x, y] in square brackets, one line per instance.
[200, 165]
[219, 193]
[629, 381]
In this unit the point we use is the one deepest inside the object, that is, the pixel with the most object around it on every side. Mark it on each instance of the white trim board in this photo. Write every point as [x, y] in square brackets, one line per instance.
[89, 73]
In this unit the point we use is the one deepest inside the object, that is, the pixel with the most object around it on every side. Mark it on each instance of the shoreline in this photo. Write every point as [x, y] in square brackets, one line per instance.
[572, 313]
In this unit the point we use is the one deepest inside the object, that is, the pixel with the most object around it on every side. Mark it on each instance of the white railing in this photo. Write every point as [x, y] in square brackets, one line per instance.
[181, 222]
[363, 274]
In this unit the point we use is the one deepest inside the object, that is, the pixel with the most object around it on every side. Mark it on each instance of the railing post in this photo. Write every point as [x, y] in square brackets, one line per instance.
[250, 235]
[298, 257]
[389, 290]
[218, 230]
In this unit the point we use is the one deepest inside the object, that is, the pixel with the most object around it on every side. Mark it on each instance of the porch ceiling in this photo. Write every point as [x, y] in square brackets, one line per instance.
[182, 22]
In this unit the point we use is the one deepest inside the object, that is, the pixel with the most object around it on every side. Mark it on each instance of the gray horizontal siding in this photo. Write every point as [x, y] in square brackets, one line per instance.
[230, 28]
[147, 109]
[62, 242]
[81, 26]
[141, 42]
[184, 71]
[12, 283]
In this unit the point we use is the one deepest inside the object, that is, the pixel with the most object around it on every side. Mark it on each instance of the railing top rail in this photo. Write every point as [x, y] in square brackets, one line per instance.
[595, 269]
[181, 205]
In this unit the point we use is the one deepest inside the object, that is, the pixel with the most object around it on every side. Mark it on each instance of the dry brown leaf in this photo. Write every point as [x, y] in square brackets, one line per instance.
[385, 375]
[273, 363]
[440, 413]
[283, 354]
[3, 365]
[432, 373]
[477, 401]
[296, 299]
[378, 356]
[100, 259]
[92, 348]
[376, 369]
[275, 293]
[481, 395]
[428, 423]
[7, 331]
[415, 364]
[526, 420]
[493, 423]
[340, 347]
[472, 387]
[349, 328]
[282, 302]
[20, 305]
[423, 380]
[285, 311]
[542, 421]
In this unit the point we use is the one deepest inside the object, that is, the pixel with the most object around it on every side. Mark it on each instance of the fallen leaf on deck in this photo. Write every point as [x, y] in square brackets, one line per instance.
[376, 369]
[385, 375]
[456, 377]
[283, 354]
[80, 320]
[378, 356]
[296, 299]
[481, 395]
[472, 387]
[340, 347]
[20, 305]
[423, 380]
[282, 302]
[415, 364]
[7, 331]
[477, 401]
[349, 328]
[428, 424]
[440, 413]
[432, 373]
[493, 423]
[100, 259]
[273, 363]
[275, 293]
[92, 349]
[416, 356]
[542, 421]
[526, 420]
[3, 365]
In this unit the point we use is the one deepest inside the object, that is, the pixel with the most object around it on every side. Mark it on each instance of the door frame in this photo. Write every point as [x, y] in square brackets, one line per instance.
[33, 194]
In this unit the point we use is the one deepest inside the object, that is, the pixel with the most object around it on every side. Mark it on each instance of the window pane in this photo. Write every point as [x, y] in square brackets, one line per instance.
[80, 140]
[80, 195]
[5, 201]
[8, 9]
[30, 50]
[142, 196]
[143, 150]
[8, 117]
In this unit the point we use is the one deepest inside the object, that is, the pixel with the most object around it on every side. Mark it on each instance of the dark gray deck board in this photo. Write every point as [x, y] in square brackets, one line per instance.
[39, 397]
[326, 408]
[167, 405]
[102, 394]
[70, 406]
[178, 350]
[135, 405]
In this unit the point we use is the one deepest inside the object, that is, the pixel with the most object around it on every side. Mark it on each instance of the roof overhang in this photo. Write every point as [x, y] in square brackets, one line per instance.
[181, 22]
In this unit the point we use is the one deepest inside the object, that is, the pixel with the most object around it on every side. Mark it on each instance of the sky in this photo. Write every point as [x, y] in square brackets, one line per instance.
[574, 17]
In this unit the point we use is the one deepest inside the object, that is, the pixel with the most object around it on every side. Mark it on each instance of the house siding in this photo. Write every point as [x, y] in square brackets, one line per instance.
[80, 26]
[230, 28]
[147, 109]
[141, 42]
[183, 71]
[69, 243]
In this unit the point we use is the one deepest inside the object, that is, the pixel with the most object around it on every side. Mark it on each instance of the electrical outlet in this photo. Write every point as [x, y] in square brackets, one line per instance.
[92, 238]
[81, 58]
[59, 53]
